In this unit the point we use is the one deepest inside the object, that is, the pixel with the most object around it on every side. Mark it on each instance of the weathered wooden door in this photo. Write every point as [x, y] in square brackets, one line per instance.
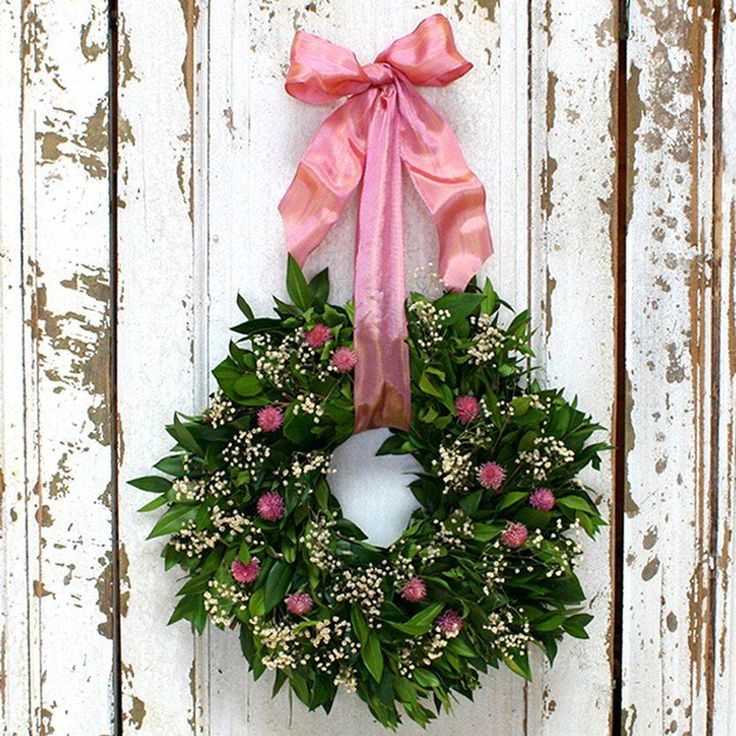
[144, 149]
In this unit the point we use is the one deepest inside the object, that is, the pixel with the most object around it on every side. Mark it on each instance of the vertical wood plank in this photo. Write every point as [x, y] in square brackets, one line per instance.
[573, 92]
[15, 671]
[672, 363]
[254, 127]
[56, 387]
[158, 335]
[724, 471]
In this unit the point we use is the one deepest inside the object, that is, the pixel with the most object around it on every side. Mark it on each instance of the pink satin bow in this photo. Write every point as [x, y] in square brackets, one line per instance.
[384, 122]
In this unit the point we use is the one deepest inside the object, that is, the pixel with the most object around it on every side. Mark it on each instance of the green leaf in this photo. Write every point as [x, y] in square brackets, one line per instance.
[425, 678]
[575, 502]
[247, 385]
[296, 285]
[180, 432]
[510, 498]
[519, 665]
[486, 532]
[151, 484]
[258, 325]
[490, 299]
[320, 286]
[173, 520]
[459, 305]
[187, 608]
[360, 627]
[153, 505]
[256, 605]
[373, 657]
[277, 583]
[245, 307]
[575, 625]
[421, 622]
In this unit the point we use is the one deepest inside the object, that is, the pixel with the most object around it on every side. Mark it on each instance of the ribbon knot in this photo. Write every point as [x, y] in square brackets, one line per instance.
[367, 139]
[379, 74]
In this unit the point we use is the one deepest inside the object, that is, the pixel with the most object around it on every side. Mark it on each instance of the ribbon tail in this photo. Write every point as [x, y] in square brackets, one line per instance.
[328, 173]
[382, 376]
[451, 191]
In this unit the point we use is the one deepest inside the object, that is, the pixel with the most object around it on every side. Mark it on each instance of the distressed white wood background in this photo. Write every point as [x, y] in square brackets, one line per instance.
[608, 149]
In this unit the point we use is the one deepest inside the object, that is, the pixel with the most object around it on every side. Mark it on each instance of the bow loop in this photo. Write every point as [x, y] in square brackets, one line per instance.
[322, 72]
[427, 57]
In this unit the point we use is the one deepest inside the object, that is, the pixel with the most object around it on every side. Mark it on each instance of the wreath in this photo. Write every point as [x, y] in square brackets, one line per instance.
[484, 569]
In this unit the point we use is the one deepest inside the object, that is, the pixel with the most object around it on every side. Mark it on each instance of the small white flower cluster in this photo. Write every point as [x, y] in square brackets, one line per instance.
[537, 402]
[186, 489]
[363, 587]
[218, 484]
[347, 677]
[509, 635]
[234, 522]
[455, 468]
[431, 320]
[547, 452]
[455, 529]
[317, 541]
[488, 340]
[310, 462]
[308, 404]
[273, 361]
[282, 641]
[193, 542]
[221, 598]
[221, 410]
[494, 567]
[334, 645]
[422, 651]
[245, 452]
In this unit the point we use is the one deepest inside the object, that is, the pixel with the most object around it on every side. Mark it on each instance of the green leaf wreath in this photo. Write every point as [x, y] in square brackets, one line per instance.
[486, 566]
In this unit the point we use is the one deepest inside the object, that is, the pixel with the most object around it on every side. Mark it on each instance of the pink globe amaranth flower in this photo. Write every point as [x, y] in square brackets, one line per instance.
[491, 475]
[270, 418]
[451, 623]
[515, 535]
[542, 499]
[414, 591]
[245, 572]
[300, 604]
[318, 336]
[344, 360]
[466, 409]
[270, 506]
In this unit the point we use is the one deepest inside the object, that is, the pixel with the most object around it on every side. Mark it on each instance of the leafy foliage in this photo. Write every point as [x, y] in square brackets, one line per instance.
[264, 545]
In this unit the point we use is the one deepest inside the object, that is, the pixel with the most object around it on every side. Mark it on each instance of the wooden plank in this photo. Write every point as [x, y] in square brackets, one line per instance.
[573, 87]
[56, 380]
[672, 363]
[15, 672]
[724, 470]
[158, 335]
[255, 127]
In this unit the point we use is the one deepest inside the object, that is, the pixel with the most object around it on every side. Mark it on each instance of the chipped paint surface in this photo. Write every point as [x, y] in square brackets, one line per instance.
[201, 115]
[679, 378]
[56, 325]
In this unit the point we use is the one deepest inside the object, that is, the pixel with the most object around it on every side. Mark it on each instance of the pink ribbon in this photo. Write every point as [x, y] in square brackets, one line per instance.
[384, 122]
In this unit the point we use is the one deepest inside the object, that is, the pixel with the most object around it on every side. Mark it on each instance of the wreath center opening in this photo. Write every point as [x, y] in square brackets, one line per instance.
[374, 490]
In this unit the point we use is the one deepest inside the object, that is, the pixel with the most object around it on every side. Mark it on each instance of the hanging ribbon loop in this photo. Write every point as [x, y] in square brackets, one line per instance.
[384, 123]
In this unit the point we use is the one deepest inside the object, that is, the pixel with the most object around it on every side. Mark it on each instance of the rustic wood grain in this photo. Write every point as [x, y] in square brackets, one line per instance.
[573, 226]
[723, 467]
[160, 290]
[57, 516]
[674, 356]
